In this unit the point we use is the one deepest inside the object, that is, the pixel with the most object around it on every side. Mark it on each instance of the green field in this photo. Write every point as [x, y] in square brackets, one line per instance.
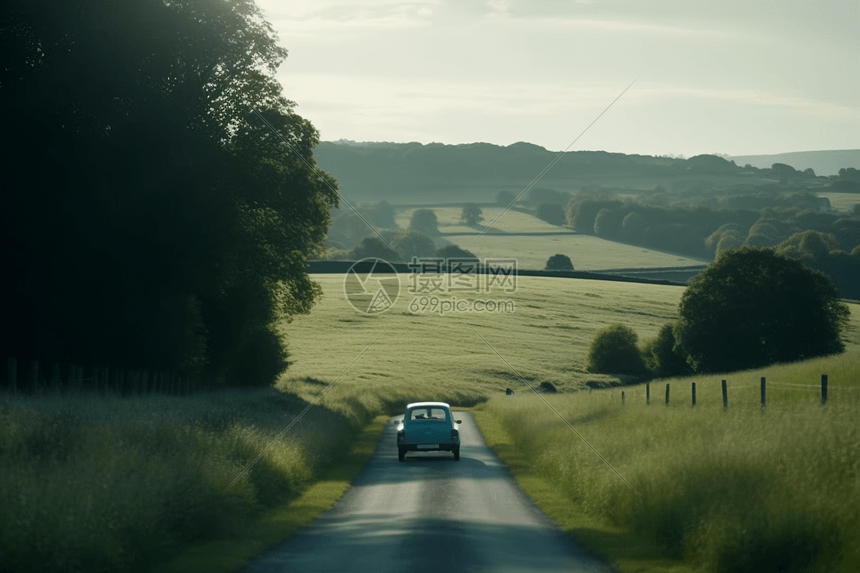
[842, 201]
[103, 483]
[717, 491]
[511, 222]
[586, 252]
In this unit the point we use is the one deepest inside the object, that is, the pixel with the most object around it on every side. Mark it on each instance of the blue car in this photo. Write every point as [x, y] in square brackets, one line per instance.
[428, 426]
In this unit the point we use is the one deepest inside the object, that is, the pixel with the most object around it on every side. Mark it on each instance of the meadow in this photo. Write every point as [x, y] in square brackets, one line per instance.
[715, 491]
[718, 490]
[841, 201]
[93, 483]
[586, 252]
[512, 222]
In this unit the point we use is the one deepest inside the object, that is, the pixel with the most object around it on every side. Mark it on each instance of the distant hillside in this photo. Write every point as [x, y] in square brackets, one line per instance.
[822, 162]
[438, 173]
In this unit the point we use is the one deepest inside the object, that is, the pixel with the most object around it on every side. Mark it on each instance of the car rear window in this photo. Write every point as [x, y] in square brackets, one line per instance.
[428, 414]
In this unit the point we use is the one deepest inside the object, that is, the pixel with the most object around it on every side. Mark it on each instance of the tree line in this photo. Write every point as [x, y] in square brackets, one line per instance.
[797, 224]
[149, 218]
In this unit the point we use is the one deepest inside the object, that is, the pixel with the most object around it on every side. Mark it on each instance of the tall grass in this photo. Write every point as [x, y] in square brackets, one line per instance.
[94, 483]
[101, 483]
[731, 490]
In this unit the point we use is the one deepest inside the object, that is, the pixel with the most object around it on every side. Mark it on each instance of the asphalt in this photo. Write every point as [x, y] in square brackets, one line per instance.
[431, 513]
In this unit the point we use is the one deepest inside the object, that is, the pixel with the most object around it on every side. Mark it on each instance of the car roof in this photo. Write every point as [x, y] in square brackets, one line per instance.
[425, 404]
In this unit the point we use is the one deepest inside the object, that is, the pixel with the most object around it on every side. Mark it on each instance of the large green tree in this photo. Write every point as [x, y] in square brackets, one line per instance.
[149, 218]
[754, 307]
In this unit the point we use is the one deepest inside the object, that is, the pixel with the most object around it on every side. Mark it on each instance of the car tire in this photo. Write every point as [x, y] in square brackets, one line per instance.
[456, 454]
[401, 454]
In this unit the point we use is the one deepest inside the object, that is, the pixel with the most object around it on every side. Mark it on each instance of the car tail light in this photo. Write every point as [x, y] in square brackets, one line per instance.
[455, 435]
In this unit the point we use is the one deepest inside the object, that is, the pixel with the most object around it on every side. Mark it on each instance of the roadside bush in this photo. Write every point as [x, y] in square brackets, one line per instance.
[660, 355]
[614, 351]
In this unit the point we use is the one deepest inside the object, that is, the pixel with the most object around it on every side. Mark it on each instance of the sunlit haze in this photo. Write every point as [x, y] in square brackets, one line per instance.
[734, 77]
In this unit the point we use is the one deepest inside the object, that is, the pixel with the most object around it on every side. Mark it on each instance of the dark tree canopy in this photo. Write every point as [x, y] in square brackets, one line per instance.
[754, 307]
[559, 263]
[413, 244]
[505, 198]
[454, 252]
[373, 247]
[424, 221]
[551, 213]
[661, 356]
[471, 214]
[148, 218]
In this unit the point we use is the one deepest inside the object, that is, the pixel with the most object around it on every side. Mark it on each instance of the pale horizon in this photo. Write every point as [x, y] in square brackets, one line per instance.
[732, 78]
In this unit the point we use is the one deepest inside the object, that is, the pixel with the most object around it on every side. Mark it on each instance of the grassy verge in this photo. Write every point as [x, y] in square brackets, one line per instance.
[718, 491]
[276, 525]
[622, 548]
[93, 483]
[101, 483]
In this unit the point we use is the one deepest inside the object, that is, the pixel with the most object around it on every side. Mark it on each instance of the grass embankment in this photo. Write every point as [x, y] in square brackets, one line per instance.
[93, 483]
[717, 491]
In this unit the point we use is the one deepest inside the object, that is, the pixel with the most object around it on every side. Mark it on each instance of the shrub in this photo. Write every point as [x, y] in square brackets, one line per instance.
[660, 355]
[614, 351]
[414, 244]
[372, 247]
[559, 263]
[454, 252]
[548, 388]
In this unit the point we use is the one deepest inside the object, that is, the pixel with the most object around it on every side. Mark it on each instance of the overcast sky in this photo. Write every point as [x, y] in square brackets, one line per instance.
[718, 76]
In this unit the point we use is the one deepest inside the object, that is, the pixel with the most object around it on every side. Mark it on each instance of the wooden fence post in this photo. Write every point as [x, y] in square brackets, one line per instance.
[694, 393]
[667, 394]
[647, 393]
[34, 377]
[725, 396]
[12, 375]
[763, 393]
[622, 397]
[824, 389]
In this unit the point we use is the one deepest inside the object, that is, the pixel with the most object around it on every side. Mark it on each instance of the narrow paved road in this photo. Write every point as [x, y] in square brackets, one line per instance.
[431, 513]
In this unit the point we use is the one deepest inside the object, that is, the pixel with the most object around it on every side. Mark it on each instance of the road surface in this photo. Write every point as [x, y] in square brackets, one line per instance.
[431, 513]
